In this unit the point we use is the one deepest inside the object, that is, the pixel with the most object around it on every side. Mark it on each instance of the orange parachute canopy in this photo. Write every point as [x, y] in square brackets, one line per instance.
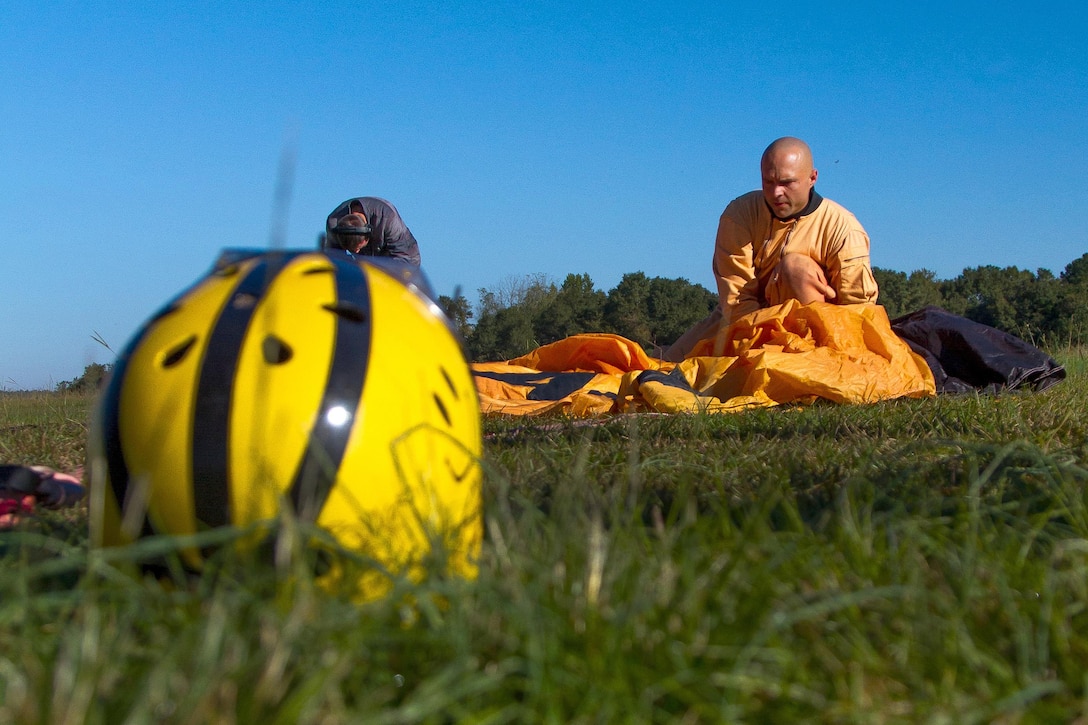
[789, 353]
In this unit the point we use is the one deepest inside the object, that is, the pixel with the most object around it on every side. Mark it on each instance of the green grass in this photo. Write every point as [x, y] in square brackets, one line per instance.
[49, 429]
[910, 561]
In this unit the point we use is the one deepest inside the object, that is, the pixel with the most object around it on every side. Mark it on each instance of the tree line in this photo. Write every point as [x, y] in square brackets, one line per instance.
[523, 313]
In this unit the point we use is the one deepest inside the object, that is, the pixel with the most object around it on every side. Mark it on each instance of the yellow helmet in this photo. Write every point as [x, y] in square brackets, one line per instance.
[299, 379]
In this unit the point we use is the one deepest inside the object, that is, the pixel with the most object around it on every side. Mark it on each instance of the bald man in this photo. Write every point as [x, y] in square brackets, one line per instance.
[784, 242]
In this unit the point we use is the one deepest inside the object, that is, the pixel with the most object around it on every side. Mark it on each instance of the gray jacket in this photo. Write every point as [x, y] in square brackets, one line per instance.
[390, 236]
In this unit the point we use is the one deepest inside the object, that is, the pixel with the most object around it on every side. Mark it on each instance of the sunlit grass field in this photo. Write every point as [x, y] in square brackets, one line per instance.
[909, 561]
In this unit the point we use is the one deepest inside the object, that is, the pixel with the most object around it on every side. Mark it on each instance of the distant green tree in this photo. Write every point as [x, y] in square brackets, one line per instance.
[901, 294]
[1074, 283]
[504, 334]
[505, 327]
[93, 377]
[1045, 309]
[893, 290]
[673, 306]
[459, 310]
[531, 289]
[1032, 306]
[577, 307]
[1076, 272]
[655, 311]
[626, 309]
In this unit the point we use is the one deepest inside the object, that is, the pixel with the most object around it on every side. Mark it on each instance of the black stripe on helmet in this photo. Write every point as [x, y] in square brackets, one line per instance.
[343, 392]
[212, 407]
[109, 413]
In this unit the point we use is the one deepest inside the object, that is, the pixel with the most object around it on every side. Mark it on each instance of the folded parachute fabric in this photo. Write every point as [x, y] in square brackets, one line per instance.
[581, 375]
[783, 354]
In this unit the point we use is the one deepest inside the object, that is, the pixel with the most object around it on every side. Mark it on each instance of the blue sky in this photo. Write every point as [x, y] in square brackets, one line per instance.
[516, 138]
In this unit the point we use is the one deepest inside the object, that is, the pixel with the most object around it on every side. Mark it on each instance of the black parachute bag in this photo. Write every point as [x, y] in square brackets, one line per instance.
[966, 356]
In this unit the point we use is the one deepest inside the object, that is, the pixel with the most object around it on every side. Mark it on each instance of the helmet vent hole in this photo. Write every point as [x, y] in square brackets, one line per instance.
[350, 312]
[442, 410]
[446, 377]
[276, 351]
[178, 352]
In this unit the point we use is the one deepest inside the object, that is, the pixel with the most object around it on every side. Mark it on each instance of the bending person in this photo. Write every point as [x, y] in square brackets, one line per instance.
[369, 226]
